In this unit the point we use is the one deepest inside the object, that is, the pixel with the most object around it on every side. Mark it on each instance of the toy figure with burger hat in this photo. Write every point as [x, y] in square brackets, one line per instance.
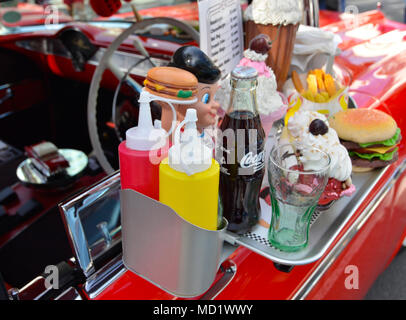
[195, 61]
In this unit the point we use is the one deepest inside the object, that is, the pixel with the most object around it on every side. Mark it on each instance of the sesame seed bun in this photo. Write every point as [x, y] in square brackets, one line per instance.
[363, 125]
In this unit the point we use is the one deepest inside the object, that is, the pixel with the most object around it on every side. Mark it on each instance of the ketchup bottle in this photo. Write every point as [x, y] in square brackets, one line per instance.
[142, 151]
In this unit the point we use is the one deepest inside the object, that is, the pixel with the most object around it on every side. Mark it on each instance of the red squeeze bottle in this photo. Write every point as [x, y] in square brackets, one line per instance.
[141, 153]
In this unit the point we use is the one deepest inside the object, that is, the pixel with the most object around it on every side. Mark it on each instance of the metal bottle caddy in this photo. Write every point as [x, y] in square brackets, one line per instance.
[163, 248]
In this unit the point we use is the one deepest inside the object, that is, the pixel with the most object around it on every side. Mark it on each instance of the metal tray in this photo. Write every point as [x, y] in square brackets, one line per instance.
[325, 227]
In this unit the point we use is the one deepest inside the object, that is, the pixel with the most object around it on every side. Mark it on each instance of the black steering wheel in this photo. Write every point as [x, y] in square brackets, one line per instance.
[106, 62]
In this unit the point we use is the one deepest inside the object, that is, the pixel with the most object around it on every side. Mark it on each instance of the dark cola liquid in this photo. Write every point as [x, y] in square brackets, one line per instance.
[240, 182]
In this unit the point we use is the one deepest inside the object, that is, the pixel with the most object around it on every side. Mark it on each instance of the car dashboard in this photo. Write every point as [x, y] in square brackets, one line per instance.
[85, 43]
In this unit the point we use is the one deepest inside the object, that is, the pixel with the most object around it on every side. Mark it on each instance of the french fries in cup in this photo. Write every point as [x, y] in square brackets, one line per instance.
[315, 91]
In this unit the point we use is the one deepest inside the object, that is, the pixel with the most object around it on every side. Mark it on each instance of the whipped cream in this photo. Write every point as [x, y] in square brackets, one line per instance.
[298, 125]
[275, 12]
[268, 98]
[254, 56]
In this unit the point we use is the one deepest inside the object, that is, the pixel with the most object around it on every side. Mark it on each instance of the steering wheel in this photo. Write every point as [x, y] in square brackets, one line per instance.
[106, 62]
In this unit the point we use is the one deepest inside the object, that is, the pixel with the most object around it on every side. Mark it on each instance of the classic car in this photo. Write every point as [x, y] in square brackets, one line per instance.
[68, 83]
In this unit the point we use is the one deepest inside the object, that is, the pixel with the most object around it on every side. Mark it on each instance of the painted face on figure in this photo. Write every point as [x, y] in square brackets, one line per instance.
[194, 60]
[206, 106]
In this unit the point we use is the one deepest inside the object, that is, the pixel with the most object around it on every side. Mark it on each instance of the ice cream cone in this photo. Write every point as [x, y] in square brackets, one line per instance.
[280, 55]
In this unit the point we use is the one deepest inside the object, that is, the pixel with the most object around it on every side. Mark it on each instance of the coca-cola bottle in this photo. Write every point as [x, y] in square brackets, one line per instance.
[240, 152]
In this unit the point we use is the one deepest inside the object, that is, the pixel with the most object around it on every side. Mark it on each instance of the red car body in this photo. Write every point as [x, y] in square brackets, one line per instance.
[184, 11]
[376, 63]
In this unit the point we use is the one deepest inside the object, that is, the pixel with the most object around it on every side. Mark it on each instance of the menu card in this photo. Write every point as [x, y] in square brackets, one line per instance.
[221, 35]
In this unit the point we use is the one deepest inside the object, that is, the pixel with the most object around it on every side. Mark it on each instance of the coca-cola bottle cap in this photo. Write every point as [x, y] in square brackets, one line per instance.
[244, 72]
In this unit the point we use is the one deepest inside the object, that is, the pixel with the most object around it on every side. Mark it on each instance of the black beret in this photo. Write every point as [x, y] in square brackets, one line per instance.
[194, 60]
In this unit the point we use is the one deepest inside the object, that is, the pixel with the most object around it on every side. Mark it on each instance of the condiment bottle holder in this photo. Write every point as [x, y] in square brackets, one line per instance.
[168, 251]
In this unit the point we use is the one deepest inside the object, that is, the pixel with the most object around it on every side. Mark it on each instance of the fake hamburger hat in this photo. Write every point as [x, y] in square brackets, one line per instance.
[370, 136]
[172, 83]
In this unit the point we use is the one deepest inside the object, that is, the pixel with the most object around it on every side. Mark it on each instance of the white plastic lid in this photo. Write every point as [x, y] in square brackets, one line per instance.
[143, 140]
[189, 154]
[145, 136]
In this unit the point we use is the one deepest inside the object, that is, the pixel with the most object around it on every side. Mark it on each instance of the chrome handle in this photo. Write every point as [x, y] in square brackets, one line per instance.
[102, 226]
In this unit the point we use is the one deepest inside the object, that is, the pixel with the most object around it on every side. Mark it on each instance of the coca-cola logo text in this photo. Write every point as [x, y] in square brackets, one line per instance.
[253, 160]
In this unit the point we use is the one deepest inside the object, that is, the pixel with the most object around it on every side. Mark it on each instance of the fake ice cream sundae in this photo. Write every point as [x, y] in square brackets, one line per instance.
[312, 128]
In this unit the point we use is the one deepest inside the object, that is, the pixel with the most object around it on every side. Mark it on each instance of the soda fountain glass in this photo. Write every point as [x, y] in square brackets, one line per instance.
[297, 176]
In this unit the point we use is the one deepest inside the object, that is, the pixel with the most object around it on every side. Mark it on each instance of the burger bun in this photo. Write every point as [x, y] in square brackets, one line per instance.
[363, 125]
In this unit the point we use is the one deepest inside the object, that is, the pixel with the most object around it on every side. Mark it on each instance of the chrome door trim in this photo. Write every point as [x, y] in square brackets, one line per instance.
[104, 277]
[73, 223]
[321, 269]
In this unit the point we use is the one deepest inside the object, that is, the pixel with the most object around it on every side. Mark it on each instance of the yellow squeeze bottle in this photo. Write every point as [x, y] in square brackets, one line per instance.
[189, 177]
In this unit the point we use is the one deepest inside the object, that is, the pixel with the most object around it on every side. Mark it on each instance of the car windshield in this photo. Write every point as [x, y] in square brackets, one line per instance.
[17, 13]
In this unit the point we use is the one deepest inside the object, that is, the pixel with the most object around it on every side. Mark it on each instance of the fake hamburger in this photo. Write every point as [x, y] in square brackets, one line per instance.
[370, 136]
[172, 83]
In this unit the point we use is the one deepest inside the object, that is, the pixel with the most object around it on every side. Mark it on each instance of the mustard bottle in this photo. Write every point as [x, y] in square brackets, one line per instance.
[189, 177]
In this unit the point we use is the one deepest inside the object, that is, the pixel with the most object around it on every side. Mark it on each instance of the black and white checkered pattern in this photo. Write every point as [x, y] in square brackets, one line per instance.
[257, 238]
[265, 242]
